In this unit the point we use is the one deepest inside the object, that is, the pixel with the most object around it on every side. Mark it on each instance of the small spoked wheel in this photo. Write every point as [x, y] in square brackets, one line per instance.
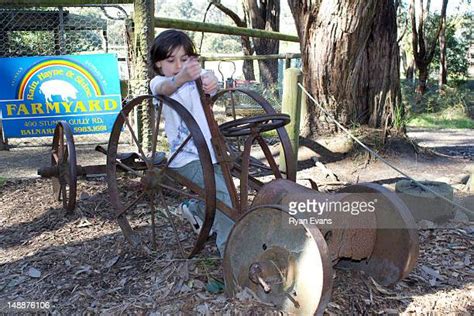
[256, 124]
[63, 161]
[255, 165]
[263, 118]
[142, 197]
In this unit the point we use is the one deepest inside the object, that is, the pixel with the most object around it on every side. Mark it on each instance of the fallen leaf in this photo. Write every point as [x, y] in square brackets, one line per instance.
[34, 273]
[203, 309]
[380, 288]
[83, 269]
[214, 286]
[432, 272]
[84, 223]
[111, 262]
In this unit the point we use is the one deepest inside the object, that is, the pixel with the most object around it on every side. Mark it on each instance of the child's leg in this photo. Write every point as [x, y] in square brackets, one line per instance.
[222, 223]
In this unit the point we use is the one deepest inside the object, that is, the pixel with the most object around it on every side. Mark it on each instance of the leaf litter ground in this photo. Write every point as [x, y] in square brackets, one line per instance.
[80, 262]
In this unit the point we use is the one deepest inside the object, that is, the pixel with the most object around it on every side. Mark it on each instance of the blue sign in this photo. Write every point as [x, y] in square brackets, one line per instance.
[37, 92]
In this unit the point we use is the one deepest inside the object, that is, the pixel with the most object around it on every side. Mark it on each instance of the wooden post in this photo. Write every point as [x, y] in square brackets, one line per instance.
[141, 74]
[3, 141]
[291, 104]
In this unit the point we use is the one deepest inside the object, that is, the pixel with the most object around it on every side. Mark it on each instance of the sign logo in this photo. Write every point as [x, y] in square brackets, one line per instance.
[39, 91]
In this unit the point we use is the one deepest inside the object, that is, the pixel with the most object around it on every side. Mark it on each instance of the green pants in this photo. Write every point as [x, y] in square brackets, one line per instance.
[222, 223]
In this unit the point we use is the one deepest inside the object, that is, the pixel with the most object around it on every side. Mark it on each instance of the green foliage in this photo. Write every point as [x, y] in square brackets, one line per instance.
[2, 181]
[34, 42]
[458, 36]
[456, 51]
[438, 109]
[399, 119]
[449, 118]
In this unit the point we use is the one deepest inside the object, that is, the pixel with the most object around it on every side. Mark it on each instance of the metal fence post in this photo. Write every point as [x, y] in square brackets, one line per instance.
[291, 104]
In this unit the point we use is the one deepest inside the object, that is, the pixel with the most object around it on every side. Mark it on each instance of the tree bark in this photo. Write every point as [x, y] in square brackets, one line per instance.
[265, 15]
[350, 61]
[443, 71]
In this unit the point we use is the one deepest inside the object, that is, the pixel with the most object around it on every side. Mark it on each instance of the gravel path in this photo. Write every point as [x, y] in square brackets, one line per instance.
[451, 142]
[23, 162]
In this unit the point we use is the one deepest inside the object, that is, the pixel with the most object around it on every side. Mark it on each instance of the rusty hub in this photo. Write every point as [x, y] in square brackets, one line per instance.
[152, 180]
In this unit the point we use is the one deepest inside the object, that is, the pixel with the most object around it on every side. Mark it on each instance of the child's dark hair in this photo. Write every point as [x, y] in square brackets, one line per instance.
[166, 42]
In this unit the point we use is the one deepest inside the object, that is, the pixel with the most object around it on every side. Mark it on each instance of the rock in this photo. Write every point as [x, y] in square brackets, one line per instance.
[470, 183]
[469, 168]
[463, 179]
[426, 224]
[340, 144]
[423, 204]
[443, 179]
[461, 217]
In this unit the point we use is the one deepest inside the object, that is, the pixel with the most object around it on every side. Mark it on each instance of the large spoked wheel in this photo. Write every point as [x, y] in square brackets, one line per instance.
[261, 164]
[63, 159]
[136, 193]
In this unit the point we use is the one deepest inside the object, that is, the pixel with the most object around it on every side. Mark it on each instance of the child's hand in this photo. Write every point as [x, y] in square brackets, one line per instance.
[190, 71]
[209, 82]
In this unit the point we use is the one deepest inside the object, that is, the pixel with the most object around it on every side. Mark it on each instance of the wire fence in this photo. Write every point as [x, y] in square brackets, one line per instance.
[107, 28]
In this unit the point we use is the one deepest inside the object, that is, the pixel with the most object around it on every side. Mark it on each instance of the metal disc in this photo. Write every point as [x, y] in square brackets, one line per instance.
[293, 261]
[396, 243]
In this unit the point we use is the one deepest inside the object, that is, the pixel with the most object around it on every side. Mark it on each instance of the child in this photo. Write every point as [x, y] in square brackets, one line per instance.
[173, 58]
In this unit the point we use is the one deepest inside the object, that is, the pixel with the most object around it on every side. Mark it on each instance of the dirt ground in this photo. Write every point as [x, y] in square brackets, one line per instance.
[80, 262]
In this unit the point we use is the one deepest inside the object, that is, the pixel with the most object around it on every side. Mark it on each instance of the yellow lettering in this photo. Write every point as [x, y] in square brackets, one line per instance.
[94, 105]
[52, 107]
[67, 106]
[23, 109]
[10, 109]
[110, 108]
[37, 108]
[80, 105]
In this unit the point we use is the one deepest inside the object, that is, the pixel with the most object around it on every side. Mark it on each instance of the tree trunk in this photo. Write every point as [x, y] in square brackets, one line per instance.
[410, 72]
[423, 72]
[423, 50]
[443, 72]
[350, 61]
[265, 15]
[247, 68]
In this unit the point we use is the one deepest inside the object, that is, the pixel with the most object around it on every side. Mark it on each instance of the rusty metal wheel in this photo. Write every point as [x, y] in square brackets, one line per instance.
[63, 162]
[259, 106]
[285, 265]
[396, 247]
[135, 194]
[255, 165]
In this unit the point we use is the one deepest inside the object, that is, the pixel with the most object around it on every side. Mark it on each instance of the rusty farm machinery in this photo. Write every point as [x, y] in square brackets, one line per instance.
[287, 265]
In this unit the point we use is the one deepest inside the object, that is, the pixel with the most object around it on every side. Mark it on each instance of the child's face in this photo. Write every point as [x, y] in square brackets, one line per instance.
[173, 63]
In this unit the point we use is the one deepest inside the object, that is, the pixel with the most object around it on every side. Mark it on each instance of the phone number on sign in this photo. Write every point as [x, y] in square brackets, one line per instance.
[28, 305]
